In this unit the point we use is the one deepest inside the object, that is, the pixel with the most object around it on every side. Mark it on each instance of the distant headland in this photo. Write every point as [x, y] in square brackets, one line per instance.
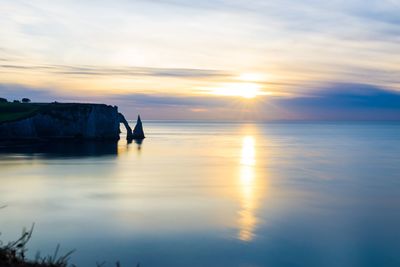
[24, 121]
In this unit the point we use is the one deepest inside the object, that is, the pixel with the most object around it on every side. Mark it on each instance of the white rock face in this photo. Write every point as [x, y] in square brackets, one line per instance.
[85, 121]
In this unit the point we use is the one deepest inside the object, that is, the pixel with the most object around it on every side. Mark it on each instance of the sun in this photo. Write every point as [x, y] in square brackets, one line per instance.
[247, 86]
[249, 90]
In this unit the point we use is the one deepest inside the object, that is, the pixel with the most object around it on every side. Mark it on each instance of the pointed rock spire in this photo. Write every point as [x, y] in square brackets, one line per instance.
[138, 132]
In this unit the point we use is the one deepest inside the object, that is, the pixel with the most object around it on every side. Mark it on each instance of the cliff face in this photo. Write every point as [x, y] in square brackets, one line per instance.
[85, 121]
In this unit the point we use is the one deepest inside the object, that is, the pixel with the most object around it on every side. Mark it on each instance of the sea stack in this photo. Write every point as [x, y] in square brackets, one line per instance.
[138, 132]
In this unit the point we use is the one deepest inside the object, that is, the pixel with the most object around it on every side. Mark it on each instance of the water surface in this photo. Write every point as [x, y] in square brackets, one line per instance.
[213, 194]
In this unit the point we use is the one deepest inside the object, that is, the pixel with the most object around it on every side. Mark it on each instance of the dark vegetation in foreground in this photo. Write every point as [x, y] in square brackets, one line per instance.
[13, 254]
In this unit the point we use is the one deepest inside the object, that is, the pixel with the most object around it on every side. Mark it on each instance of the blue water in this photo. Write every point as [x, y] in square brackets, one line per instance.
[213, 194]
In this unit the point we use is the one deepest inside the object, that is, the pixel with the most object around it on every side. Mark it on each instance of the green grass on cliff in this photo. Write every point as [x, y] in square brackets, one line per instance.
[17, 111]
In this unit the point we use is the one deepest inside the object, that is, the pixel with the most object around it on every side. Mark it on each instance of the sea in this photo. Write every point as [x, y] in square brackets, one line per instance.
[211, 194]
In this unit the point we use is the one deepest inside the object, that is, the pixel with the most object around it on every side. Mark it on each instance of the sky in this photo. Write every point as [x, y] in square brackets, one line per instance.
[213, 60]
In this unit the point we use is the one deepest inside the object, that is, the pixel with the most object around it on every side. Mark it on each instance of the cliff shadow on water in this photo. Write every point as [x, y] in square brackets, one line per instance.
[63, 149]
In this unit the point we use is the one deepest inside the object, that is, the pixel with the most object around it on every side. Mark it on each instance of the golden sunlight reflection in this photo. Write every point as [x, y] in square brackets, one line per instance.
[247, 219]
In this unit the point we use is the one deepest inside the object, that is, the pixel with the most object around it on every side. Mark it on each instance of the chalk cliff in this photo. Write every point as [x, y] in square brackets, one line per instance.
[83, 121]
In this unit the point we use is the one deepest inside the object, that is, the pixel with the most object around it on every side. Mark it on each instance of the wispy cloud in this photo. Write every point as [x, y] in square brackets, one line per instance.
[86, 70]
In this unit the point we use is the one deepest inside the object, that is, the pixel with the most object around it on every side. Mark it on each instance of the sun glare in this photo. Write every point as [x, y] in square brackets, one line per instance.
[245, 90]
[251, 77]
[248, 86]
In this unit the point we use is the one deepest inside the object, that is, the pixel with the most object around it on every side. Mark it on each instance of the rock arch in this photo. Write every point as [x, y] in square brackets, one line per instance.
[129, 135]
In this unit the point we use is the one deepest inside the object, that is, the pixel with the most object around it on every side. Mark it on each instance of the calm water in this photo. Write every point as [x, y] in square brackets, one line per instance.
[213, 194]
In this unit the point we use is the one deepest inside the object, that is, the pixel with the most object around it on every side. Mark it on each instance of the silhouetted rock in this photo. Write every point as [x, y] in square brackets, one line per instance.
[138, 132]
[129, 135]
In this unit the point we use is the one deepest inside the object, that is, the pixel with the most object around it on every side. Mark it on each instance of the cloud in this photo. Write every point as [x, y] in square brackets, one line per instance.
[17, 92]
[346, 101]
[168, 100]
[336, 101]
[310, 40]
[86, 70]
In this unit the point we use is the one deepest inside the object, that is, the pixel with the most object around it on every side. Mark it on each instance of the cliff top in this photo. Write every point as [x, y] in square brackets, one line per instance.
[17, 111]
